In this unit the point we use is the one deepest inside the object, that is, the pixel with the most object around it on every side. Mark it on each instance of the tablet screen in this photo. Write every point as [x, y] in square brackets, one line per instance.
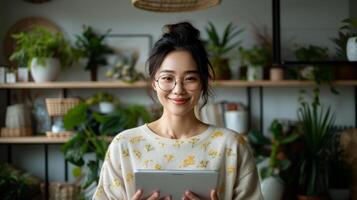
[176, 182]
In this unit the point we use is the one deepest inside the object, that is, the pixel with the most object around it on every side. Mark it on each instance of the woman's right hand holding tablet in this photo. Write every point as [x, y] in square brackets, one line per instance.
[154, 196]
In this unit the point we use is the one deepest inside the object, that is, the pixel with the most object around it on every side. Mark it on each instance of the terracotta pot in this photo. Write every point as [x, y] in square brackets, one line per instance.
[276, 74]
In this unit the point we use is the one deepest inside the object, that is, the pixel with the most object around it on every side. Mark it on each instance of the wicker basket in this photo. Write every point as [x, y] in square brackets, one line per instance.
[174, 5]
[60, 134]
[16, 132]
[61, 190]
[60, 106]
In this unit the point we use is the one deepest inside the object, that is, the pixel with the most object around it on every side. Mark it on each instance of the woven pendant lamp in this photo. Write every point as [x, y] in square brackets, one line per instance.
[174, 5]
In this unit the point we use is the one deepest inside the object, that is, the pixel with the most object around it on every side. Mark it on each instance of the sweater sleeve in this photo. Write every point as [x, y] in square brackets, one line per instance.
[247, 184]
[111, 183]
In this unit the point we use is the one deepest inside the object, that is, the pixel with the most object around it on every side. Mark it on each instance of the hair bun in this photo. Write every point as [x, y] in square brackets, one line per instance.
[183, 32]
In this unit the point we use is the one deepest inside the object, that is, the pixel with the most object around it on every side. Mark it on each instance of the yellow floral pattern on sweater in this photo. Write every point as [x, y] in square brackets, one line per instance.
[215, 149]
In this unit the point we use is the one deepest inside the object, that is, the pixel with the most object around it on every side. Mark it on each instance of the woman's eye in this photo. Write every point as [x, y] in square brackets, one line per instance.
[191, 79]
[167, 78]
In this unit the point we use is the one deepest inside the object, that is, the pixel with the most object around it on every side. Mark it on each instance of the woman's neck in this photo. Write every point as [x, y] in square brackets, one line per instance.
[178, 127]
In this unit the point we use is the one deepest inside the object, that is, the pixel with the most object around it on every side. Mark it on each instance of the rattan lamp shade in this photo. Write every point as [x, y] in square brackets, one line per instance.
[174, 5]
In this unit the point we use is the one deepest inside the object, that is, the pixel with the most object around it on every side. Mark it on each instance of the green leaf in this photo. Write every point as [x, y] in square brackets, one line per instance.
[75, 116]
[256, 137]
[77, 172]
[289, 139]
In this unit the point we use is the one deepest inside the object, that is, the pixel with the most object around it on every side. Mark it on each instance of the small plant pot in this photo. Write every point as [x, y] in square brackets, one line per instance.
[272, 188]
[351, 49]
[221, 68]
[45, 72]
[106, 107]
[237, 120]
[255, 73]
[276, 74]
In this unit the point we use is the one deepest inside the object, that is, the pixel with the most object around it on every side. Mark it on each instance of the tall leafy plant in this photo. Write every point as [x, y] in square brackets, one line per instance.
[347, 30]
[93, 47]
[277, 159]
[91, 128]
[316, 126]
[219, 48]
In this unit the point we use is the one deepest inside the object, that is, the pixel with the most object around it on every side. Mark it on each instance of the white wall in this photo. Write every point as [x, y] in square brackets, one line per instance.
[299, 22]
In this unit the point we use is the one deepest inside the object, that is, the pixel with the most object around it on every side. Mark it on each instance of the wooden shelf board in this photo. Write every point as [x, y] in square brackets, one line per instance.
[143, 84]
[37, 140]
[74, 85]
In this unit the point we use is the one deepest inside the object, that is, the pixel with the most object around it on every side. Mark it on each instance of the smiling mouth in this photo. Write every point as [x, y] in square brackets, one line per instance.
[179, 101]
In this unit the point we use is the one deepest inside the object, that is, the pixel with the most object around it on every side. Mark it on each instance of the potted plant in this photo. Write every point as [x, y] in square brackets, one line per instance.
[272, 184]
[44, 52]
[15, 184]
[350, 25]
[319, 74]
[255, 59]
[89, 125]
[340, 172]
[316, 124]
[219, 48]
[93, 48]
[106, 102]
[124, 70]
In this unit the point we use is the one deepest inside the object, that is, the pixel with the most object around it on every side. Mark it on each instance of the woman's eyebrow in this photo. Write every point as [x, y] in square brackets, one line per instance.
[173, 72]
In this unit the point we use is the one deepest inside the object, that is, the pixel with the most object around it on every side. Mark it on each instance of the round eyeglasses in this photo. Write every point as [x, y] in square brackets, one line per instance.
[168, 82]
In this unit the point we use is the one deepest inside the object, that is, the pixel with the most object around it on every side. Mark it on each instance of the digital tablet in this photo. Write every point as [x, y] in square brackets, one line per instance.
[176, 182]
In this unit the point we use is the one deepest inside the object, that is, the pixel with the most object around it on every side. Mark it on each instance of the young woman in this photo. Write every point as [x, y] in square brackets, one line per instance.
[180, 71]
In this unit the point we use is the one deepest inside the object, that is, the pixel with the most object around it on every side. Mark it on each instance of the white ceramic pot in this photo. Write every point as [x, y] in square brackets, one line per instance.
[272, 188]
[45, 72]
[351, 49]
[17, 116]
[106, 107]
[237, 120]
[255, 73]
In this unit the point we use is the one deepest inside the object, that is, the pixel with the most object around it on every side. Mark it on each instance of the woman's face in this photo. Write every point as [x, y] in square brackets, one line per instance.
[177, 83]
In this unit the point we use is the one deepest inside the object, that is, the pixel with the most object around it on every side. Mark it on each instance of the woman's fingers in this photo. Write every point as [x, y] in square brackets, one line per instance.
[154, 196]
[190, 196]
[213, 195]
[166, 198]
[138, 194]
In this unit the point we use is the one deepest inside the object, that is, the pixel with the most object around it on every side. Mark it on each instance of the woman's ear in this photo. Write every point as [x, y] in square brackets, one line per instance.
[153, 85]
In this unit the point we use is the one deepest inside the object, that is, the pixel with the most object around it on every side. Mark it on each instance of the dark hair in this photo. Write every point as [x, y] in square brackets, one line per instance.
[182, 36]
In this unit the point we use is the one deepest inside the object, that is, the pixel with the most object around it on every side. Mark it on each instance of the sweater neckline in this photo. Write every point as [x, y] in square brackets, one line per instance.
[200, 136]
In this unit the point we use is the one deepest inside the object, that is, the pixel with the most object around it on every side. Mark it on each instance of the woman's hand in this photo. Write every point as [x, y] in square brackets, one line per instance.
[191, 196]
[154, 196]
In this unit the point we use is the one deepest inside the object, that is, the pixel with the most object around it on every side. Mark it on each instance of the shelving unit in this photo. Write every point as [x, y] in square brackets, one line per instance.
[38, 140]
[142, 84]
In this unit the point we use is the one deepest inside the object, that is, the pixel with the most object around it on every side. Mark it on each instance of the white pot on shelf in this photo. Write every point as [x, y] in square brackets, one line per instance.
[351, 49]
[46, 72]
[106, 107]
[272, 188]
[254, 73]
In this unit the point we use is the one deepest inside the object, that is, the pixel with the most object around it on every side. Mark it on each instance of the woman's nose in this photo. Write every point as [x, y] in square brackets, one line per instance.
[179, 88]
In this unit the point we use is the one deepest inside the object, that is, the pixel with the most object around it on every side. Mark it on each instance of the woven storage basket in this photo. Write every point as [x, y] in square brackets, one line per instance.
[174, 5]
[60, 106]
[61, 190]
[16, 132]
[60, 134]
